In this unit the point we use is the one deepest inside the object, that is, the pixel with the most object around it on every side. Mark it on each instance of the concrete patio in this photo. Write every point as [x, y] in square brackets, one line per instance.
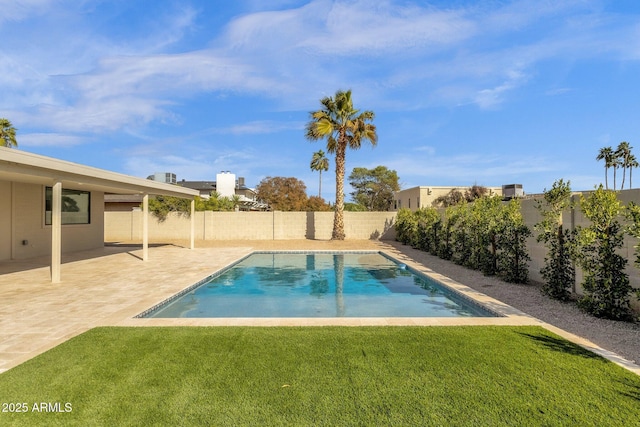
[111, 285]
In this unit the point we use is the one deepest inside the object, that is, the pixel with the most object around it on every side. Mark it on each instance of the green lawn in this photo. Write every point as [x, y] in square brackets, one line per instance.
[401, 376]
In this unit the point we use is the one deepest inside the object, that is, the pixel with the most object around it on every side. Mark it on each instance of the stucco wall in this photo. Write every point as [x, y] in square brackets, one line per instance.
[573, 219]
[250, 225]
[5, 220]
[25, 209]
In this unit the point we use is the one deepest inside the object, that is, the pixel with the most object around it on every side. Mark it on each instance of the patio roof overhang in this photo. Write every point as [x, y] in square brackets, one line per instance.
[19, 166]
[25, 167]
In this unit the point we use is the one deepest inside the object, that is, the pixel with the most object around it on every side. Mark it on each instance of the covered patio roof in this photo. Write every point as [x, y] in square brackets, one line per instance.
[20, 166]
[32, 168]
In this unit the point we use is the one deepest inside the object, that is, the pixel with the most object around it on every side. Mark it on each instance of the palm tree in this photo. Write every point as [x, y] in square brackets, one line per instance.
[319, 163]
[606, 154]
[7, 134]
[632, 162]
[622, 153]
[343, 126]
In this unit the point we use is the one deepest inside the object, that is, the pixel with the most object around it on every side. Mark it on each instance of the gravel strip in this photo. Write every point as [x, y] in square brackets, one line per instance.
[622, 338]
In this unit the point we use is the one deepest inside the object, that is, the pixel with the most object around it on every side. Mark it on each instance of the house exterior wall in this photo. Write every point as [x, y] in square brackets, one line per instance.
[5, 220]
[422, 197]
[25, 211]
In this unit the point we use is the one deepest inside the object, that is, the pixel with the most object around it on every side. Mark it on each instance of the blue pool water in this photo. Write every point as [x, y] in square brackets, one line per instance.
[319, 285]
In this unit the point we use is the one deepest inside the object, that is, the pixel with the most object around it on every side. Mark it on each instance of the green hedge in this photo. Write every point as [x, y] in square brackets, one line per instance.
[487, 235]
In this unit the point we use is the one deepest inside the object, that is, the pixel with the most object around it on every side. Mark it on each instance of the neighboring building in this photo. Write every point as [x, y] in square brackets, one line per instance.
[226, 185]
[122, 202]
[205, 188]
[420, 197]
[166, 177]
[511, 191]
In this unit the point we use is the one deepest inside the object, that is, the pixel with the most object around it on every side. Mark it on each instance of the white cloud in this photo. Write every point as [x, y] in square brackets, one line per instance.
[366, 28]
[470, 167]
[259, 127]
[50, 140]
[487, 98]
[183, 168]
[17, 10]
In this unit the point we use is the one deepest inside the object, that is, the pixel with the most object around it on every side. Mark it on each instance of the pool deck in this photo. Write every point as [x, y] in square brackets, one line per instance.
[111, 285]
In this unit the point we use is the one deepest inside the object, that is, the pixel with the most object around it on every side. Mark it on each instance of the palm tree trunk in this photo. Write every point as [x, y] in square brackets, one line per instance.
[606, 177]
[338, 218]
[624, 174]
[320, 185]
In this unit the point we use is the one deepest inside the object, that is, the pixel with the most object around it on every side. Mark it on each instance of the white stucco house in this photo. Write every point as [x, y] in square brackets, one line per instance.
[49, 206]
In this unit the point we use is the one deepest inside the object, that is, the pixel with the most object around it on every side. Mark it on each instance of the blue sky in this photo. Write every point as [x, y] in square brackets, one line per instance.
[488, 92]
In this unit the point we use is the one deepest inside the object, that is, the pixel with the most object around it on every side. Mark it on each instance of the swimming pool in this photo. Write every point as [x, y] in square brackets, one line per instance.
[317, 284]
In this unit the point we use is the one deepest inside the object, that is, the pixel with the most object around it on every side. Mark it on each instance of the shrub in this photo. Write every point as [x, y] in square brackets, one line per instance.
[460, 235]
[606, 285]
[427, 231]
[445, 250]
[512, 244]
[406, 226]
[558, 271]
[485, 235]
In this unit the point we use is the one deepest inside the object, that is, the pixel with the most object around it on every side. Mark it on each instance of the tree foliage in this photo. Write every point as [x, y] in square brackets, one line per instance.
[319, 163]
[606, 285]
[317, 204]
[374, 188]
[161, 206]
[456, 196]
[283, 194]
[621, 157]
[343, 127]
[354, 207]
[7, 134]
[216, 203]
[558, 271]
[632, 213]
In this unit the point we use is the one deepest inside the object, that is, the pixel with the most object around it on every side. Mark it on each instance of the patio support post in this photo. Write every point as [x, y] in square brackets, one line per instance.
[193, 224]
[145, 227]
[56, 231]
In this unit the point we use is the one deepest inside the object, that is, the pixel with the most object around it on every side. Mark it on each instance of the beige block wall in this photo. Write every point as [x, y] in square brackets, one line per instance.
[25, 208]
[323, 226]
[239, 225]
[537, 251]
[119, 226]
[573, 219]
[368, 225]
[277, 225]
[291, 225]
